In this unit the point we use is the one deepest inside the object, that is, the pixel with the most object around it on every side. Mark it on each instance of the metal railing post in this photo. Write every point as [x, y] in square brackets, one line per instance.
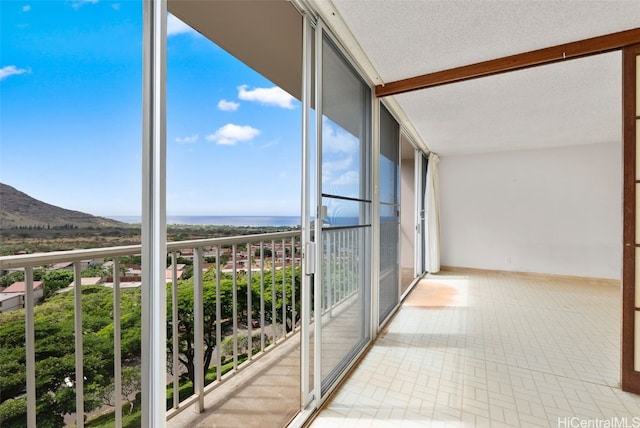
[329, 279]
[77, 306]
[175, 321]
[249, 306]
[262, 344]
[218, 318]
[117, 337]
[284, 288]
[235, 307]
[30, 349]
[198, 329]
[273, 291]
[293, 284]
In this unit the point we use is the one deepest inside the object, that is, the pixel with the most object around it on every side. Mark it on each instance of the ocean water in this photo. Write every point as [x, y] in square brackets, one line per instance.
[218, 220]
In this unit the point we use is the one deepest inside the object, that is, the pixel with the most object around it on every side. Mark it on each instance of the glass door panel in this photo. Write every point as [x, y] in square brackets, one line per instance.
[345, 220]
[389, 214]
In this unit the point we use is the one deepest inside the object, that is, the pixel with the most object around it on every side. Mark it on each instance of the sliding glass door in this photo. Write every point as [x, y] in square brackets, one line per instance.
[343, 223]
[389, 185]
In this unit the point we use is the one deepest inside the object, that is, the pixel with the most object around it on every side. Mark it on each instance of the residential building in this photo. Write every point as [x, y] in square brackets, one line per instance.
[92, 280]
[20, 287]
[11, 301]
[69, 266]
[179, 271]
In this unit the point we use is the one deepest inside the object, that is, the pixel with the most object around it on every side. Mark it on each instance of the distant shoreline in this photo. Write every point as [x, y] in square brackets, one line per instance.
[217, 220]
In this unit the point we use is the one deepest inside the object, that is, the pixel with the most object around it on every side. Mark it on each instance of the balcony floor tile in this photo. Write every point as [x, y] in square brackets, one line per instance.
[265, 394]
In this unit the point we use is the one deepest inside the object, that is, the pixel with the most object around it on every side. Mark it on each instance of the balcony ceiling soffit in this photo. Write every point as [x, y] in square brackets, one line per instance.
[570, 103]
[265, 35]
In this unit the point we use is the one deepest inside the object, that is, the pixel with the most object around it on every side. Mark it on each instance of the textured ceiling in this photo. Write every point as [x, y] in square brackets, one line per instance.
[573, 102]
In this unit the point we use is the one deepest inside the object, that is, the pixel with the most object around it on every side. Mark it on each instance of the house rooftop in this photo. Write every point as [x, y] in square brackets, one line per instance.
[20, 287]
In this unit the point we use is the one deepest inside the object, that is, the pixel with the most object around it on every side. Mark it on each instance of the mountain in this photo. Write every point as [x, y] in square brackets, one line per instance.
[19, 209]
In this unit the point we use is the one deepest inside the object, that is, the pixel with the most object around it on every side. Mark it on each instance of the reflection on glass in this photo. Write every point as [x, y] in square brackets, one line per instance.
[388, 290]
[389, 268]
[341, 212]
[343, 299]
[389, 213]
[346, 220]
[389, 157]
[340, 161]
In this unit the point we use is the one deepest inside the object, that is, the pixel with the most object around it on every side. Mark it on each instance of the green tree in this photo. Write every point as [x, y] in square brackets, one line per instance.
[131, 384]
[56, 280]
[267, 252]
[185, 309]
[55, 354]
[179, 260]
[95, 271]
[188, 272]
[183, 260]
[186, 319]
[131, 260]
[289, 288]
[224, 258]
[7, 280]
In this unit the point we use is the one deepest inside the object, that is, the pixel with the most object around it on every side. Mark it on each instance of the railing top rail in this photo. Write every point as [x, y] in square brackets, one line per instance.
[41, 259]
[239, 239]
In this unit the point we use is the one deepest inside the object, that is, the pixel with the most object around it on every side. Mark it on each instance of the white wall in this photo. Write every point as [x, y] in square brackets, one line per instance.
[555, 211]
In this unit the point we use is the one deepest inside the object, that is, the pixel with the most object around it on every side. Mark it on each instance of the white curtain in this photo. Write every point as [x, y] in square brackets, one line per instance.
[432, 208]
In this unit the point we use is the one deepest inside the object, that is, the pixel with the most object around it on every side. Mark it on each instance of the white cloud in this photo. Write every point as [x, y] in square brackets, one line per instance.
[337, 140]
[11, 70]
[339, 170]
[270, 144]
[338, 164]
[187, 140]
[116, 6]
[230, 134]
[175, 26]
[76, 4]
[340, 149]
[225, 105]
[347, 178]
[268, 96]
[26, 8]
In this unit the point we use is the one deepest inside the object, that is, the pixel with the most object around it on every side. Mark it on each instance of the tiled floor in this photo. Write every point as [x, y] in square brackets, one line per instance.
[264, 395]
[472, 348]
[406, 278]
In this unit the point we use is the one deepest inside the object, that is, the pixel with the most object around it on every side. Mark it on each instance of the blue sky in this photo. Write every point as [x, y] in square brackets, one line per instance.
[70, 116]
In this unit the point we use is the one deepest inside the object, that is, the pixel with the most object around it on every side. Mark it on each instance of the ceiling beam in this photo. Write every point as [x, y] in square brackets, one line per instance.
[550, 55]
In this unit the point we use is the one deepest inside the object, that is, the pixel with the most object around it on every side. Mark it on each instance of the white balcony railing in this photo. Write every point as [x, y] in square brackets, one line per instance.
[249, 304]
